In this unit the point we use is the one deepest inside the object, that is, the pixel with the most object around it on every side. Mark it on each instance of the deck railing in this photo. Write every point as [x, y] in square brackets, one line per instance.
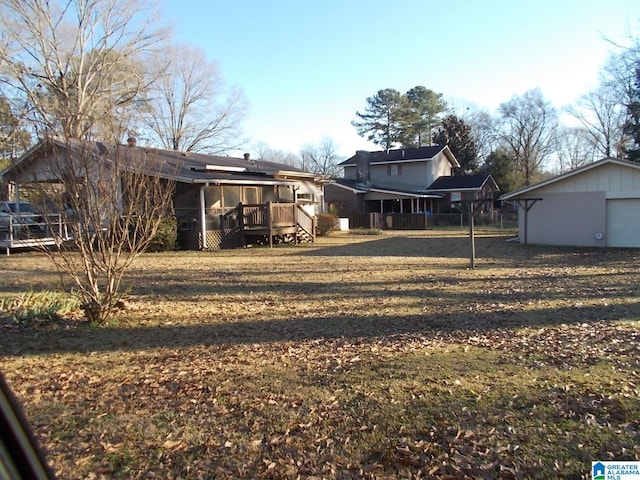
[28, 231]
[306, 222]
[274, 218]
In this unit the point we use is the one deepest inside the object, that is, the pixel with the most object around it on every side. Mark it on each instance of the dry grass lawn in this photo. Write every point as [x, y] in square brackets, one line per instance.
[355, 357]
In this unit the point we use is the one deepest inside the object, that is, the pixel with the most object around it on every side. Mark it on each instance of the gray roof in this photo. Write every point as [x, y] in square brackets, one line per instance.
[437, 189]
[356, 187]
[183, 167]
[403, 155]
[463, 182]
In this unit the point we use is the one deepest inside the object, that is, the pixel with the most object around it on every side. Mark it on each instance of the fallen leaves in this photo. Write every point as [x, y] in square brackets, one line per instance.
[244, 365]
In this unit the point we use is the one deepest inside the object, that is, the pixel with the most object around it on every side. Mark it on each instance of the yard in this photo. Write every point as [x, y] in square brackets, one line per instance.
[355, 357]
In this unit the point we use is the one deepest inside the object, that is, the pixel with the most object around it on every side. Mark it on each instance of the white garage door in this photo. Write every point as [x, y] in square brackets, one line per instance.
[623, 223]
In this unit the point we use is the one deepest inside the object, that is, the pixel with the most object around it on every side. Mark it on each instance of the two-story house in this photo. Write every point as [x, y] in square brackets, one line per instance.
[406, 180]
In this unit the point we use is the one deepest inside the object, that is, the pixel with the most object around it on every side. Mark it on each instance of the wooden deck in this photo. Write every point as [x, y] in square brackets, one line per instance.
[275, 221]
[26, 232]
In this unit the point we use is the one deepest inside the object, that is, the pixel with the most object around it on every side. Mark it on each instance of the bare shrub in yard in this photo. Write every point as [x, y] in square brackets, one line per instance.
[113, 202]
[82, 69]
[326, 222]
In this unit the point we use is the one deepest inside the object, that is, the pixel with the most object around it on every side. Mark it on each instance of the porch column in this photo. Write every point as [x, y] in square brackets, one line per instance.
[203, 219]
[381, 206]
[15, 193]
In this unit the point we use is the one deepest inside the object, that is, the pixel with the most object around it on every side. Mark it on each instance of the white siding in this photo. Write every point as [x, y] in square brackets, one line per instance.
[576, 208]
[617, 180]
[566, 219]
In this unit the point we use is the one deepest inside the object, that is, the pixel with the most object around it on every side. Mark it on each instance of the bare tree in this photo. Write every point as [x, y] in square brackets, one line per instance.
[80, 66]
[266, 153]
[14, 138]
[483, 130]
[622, 75]
[76, 62]
[602, 115]
[528, 132]
[575, 148]
[189, 109]
[321, 158]
[110, 201]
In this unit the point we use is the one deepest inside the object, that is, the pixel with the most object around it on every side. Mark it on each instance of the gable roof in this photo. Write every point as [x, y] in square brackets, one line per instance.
[404, 155]
[442, 185]
[463, 182]
[172, 165]
[605, 161]
[359, 188]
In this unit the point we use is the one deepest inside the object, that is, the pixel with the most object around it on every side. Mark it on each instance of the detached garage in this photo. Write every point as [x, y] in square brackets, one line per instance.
[597, 205]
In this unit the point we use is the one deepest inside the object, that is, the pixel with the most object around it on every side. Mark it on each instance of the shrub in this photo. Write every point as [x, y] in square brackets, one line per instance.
[166, 237]
[326, 222]
[39, 306]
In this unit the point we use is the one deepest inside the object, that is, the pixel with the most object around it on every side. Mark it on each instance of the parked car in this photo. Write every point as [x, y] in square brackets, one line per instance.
[20, 214]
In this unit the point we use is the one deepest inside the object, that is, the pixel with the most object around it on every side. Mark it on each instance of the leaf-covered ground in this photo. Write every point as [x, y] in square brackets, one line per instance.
[356, 357]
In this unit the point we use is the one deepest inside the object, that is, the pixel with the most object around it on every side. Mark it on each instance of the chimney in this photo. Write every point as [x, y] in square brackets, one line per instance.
[363, 168]
[247, 157]
[131, 141]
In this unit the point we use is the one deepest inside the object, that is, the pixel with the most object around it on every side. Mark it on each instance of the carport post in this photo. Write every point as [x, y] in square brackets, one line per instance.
[472, 237]
[203, 219]
[526, 204]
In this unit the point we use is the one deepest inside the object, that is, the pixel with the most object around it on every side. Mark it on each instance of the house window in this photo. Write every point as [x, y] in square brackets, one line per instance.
[213, 196]
[394, 170]
[230, 195]
[285, 194]
[251, 196]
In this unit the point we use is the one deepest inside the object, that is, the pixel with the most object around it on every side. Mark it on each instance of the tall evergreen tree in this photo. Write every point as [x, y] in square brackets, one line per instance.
[382, 122]
[455, 133]
[421, 118]
[501, 165]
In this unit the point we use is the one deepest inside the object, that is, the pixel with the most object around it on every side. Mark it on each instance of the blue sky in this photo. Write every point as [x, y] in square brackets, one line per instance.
[307, 66]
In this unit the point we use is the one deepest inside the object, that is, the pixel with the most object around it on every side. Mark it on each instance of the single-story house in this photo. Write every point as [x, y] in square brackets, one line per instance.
[409, 180]
[217, 199]
[597, 205]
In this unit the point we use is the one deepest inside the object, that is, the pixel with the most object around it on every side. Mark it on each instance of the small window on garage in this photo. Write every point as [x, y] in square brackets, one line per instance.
[394, 170]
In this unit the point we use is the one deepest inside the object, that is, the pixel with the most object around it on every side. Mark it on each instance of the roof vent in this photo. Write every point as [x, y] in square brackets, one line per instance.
[131, 141]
